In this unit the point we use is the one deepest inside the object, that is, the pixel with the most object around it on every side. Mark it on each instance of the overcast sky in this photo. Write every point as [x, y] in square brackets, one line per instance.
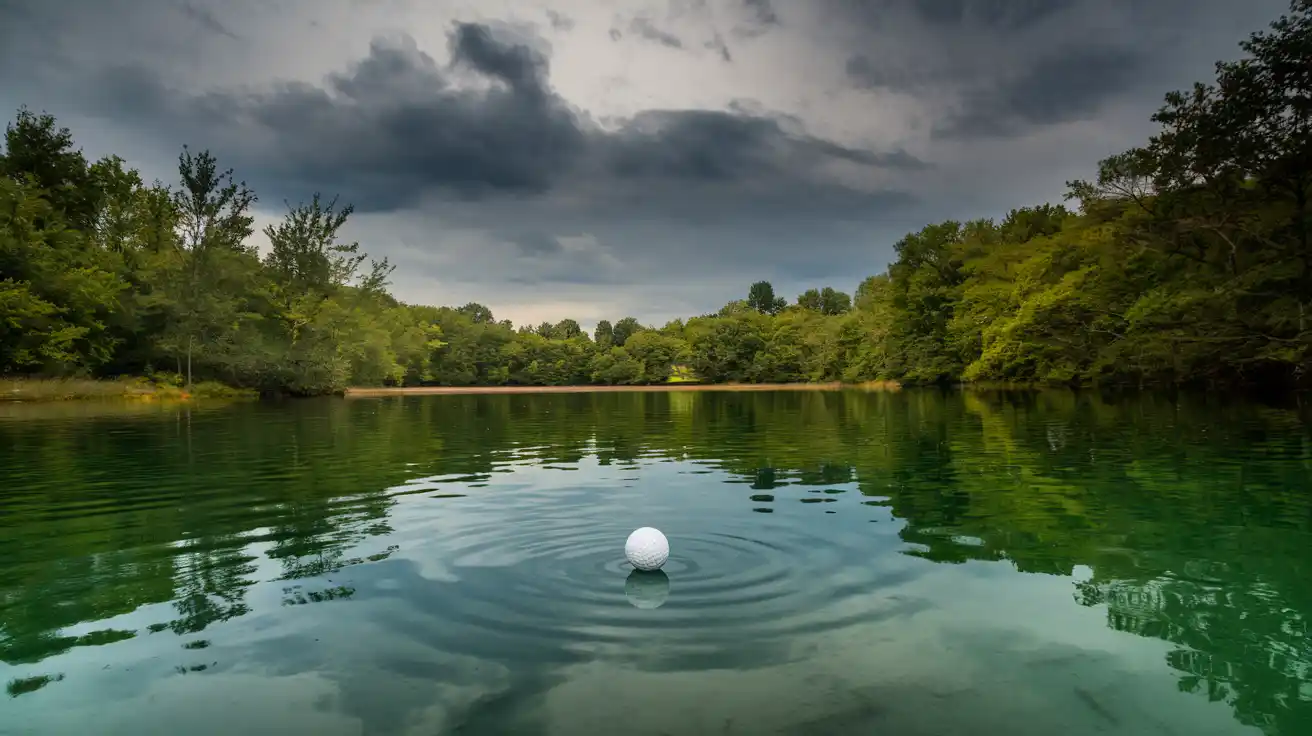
[601, 158]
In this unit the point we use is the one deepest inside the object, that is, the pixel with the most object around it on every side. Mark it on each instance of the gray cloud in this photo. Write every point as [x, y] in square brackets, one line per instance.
[761, 17]
[538, 244]
[763, 12]
[397, 126]
[1002, 68]
[718, 45]
[560, 21]
[645, 28]
[1069, 87]
[862, 71]
[206, 20]
[1007, 15]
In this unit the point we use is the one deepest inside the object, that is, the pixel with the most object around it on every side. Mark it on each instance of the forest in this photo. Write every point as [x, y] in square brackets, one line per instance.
[1186, 261]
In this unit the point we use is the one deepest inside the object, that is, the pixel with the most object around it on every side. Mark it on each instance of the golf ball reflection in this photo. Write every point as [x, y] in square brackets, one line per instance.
[647, 589]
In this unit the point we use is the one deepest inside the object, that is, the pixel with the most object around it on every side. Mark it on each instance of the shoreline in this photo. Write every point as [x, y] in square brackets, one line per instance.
[132, 389]
[654, 388]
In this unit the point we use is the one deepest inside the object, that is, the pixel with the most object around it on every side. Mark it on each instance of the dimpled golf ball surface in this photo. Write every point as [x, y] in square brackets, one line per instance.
[647, 548]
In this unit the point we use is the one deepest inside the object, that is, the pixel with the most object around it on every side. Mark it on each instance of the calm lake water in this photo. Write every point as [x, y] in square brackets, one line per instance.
[919, 563]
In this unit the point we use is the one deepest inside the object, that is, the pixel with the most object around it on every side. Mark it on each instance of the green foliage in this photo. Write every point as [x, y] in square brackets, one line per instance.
[761, 298]
[604, 334]
[56, 289]
[38, 152]
[825, 301]
[1189, 260]
[657, 353]
[623, 330]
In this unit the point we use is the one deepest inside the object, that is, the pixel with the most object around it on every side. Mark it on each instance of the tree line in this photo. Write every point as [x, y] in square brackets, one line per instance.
[1183, 261]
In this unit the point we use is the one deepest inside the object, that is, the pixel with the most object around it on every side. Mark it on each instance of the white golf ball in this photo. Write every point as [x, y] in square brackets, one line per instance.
[647, 548]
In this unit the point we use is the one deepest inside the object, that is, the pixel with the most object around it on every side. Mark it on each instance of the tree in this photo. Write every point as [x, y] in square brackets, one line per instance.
[924, 283]
[477, 313]
[733, 308]
[826, 301]
[656, 352]
[871, 293]
[304, 256]
[604, 334]
[624, 329]
[761, 298]
[56, 290]
[214, 220]
[615, 367]
[36, 149]
[567, 329]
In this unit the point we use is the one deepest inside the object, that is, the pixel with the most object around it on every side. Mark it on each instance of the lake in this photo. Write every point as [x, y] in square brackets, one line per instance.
[909, 563]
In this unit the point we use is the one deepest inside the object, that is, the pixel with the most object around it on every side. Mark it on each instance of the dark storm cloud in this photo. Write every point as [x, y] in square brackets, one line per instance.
[206, 20]
[397, 126]
[538, 244]
[761, 17]
[1012, 66]
[718, 45]
[645, 28]
[1067, 88]
[1008, 15]
[711, 146]
[763, 12]
[560, 21]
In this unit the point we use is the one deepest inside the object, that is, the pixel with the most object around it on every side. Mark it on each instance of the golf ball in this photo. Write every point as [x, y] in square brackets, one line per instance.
[647, 548]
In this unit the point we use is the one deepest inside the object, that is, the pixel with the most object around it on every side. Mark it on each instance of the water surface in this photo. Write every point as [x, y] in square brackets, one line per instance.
[842, 563]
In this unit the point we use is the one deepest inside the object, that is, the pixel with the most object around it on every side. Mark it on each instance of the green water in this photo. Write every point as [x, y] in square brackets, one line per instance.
[915, 563]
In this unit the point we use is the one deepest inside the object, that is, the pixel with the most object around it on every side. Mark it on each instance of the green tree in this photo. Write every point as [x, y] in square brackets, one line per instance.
[623, 330]
[212, 263]
[567, 329]
[825, 301]
[657, 352]
[477, 313]
[604, 334]
[57, 290]
[37, 150]
[304, 255]
[761, 298]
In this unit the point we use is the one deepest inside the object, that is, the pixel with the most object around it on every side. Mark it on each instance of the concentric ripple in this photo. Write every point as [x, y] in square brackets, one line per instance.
[547, 570]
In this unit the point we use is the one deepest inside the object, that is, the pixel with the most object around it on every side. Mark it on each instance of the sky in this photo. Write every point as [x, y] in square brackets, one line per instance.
[596, 159]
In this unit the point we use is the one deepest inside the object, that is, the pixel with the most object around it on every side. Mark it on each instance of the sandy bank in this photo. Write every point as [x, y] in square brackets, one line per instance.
[664, 387]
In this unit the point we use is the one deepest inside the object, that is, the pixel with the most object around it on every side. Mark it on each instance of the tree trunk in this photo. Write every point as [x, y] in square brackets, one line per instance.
[189, 361]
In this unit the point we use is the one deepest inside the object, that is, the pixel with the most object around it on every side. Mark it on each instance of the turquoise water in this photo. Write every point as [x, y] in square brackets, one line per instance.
[842, 563]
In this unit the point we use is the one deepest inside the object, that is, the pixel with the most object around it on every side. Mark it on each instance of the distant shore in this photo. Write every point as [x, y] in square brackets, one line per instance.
[44, 390]
[656, 388]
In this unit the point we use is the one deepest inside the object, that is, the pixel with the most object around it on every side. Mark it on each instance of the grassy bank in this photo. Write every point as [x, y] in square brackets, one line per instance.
[136, 389]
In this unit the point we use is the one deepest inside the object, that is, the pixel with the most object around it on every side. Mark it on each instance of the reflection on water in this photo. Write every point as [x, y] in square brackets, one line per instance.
[647, 589]
[911, 563]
